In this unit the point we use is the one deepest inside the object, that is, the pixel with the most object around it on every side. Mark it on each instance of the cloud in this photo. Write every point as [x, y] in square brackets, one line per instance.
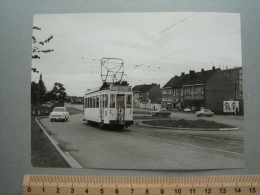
[152, 39]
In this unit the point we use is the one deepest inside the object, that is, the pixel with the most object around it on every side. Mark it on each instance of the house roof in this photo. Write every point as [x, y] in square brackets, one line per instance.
[193, 78]
[174, 82]
[144, 88]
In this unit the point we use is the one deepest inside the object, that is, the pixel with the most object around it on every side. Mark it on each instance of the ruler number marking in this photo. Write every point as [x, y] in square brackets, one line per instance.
[177, 191]
[102, 191]
[116, 191]
[237, 190]
[29, 189]
[146, 191]
[252, 190]
[222, 190]
[162, 191]
[207, 190]
[57, 190]
[192, 190]
[132, 190]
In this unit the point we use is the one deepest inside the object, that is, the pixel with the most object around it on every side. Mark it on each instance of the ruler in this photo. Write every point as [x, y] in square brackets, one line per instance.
[124, 185]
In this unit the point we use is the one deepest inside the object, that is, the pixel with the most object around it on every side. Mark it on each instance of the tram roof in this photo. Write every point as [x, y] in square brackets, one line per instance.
[110, 87]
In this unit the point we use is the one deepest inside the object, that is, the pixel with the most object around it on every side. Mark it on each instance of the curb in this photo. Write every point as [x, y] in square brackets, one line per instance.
[196, 129]
[67, 157]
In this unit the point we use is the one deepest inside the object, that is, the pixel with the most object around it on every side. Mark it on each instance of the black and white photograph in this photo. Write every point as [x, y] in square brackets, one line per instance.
[137, 91]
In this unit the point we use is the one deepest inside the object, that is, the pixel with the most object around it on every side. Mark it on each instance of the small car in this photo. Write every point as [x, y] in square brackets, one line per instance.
[205, 112]
[187, 110]
[161, 112]
[59, 114]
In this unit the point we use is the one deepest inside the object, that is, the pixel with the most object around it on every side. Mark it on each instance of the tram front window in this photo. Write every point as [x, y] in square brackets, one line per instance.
[112, 100]
[120, 101]
[129, 101]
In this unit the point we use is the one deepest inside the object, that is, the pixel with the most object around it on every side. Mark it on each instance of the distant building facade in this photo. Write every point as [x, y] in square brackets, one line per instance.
[197, 90]
[75, 99]
[235, 75]
[147, 94]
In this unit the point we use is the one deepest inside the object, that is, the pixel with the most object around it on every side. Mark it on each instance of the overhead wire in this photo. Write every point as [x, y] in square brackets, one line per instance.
[162, 31]
[155, 35]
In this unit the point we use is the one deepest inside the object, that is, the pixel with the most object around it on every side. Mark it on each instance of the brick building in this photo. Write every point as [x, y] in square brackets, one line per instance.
[196, 90]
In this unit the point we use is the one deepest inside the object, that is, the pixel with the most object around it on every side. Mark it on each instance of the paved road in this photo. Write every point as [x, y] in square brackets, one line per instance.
[147, 148]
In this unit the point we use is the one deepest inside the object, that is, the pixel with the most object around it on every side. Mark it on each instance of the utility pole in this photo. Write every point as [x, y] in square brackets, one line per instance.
[235, 97]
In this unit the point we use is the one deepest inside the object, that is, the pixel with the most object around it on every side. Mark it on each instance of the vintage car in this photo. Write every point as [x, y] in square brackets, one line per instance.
[161, 112]
[205, 112]
[187, 109]
[59, 114]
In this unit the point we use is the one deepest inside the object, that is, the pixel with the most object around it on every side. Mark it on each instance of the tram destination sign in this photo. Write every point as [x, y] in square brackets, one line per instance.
[120, 88]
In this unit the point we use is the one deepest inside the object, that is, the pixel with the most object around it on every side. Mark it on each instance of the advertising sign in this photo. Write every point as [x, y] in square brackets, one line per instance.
[231, 106]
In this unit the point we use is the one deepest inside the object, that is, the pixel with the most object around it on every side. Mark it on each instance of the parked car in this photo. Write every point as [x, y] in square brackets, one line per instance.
[161, 112]
[60, 114]
[205, 112]
[187, 110]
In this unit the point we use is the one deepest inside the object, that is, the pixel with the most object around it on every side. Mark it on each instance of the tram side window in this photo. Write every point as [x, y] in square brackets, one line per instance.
[129, 101]
[94, 102]
[112, 100]
[90, 102]
[97, 101]
[105, 100]
[86, 102]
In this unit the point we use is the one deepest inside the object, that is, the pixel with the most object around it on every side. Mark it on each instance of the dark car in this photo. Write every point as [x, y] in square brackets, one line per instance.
[161, 112]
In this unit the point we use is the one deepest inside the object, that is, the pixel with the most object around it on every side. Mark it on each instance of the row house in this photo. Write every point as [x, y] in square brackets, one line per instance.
[197, 90]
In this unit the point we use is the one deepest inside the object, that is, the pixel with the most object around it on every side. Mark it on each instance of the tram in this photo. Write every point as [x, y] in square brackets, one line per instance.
[110, 105]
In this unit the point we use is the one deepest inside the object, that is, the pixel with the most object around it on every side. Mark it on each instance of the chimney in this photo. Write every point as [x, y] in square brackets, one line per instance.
[182, 76]
[213, 68]
[192, 74]
[203, 72]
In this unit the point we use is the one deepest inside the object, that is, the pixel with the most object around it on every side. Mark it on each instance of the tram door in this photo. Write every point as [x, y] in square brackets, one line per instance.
[103, 103]
[120, 104]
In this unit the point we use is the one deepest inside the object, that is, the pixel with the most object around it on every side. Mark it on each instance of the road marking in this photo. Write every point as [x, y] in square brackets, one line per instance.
[69, 159]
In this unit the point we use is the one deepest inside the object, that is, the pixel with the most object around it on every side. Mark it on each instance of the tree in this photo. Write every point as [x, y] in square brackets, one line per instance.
[58, 92]
[34, 93]
[38, 92]
[38, 44]
[42, 91]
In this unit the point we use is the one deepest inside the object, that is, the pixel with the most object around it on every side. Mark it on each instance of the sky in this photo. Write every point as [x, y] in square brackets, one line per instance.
[154, 46]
